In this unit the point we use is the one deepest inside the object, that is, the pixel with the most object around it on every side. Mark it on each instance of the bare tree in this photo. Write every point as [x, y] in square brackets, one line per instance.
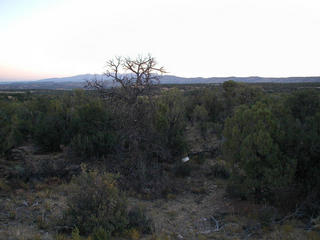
[131, 77]
[141, 143]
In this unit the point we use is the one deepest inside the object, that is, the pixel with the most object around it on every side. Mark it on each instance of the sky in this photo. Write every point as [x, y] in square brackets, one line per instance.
[204, 38]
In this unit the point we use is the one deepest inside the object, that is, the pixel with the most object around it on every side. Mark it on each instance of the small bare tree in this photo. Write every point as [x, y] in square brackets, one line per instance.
[131, 78]
[141, 145]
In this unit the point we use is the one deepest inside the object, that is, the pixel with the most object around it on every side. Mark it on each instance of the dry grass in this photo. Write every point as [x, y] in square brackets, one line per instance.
[198, 210]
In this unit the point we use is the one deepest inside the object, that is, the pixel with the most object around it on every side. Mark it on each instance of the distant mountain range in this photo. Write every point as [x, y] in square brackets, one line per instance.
[78, 81]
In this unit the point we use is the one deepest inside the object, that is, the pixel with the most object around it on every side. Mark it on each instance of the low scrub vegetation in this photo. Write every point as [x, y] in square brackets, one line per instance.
[95, 206]
[272, 145]
[136, 135]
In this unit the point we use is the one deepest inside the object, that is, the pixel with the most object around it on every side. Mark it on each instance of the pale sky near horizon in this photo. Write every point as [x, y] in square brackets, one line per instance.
[207, 38]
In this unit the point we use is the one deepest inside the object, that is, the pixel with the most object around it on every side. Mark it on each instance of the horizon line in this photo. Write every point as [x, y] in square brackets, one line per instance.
[8, 80]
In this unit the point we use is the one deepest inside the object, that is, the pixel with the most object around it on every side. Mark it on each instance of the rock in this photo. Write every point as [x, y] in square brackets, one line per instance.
[180, 236]
[185, 159]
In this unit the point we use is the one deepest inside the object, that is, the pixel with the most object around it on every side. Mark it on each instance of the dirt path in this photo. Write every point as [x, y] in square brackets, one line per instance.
[188, 215]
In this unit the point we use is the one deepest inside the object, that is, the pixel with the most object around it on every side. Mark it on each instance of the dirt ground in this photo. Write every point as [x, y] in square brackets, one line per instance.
[200, 211]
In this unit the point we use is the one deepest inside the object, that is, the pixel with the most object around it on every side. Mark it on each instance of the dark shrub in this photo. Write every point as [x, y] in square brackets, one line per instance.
[94, 202]
[236, 187]
[100, 234]
[267, 215]
[219, 170]
[139, 221]
[91, 130]
[253, 144]
[276, 144]
[182, 170]
[49, 132]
